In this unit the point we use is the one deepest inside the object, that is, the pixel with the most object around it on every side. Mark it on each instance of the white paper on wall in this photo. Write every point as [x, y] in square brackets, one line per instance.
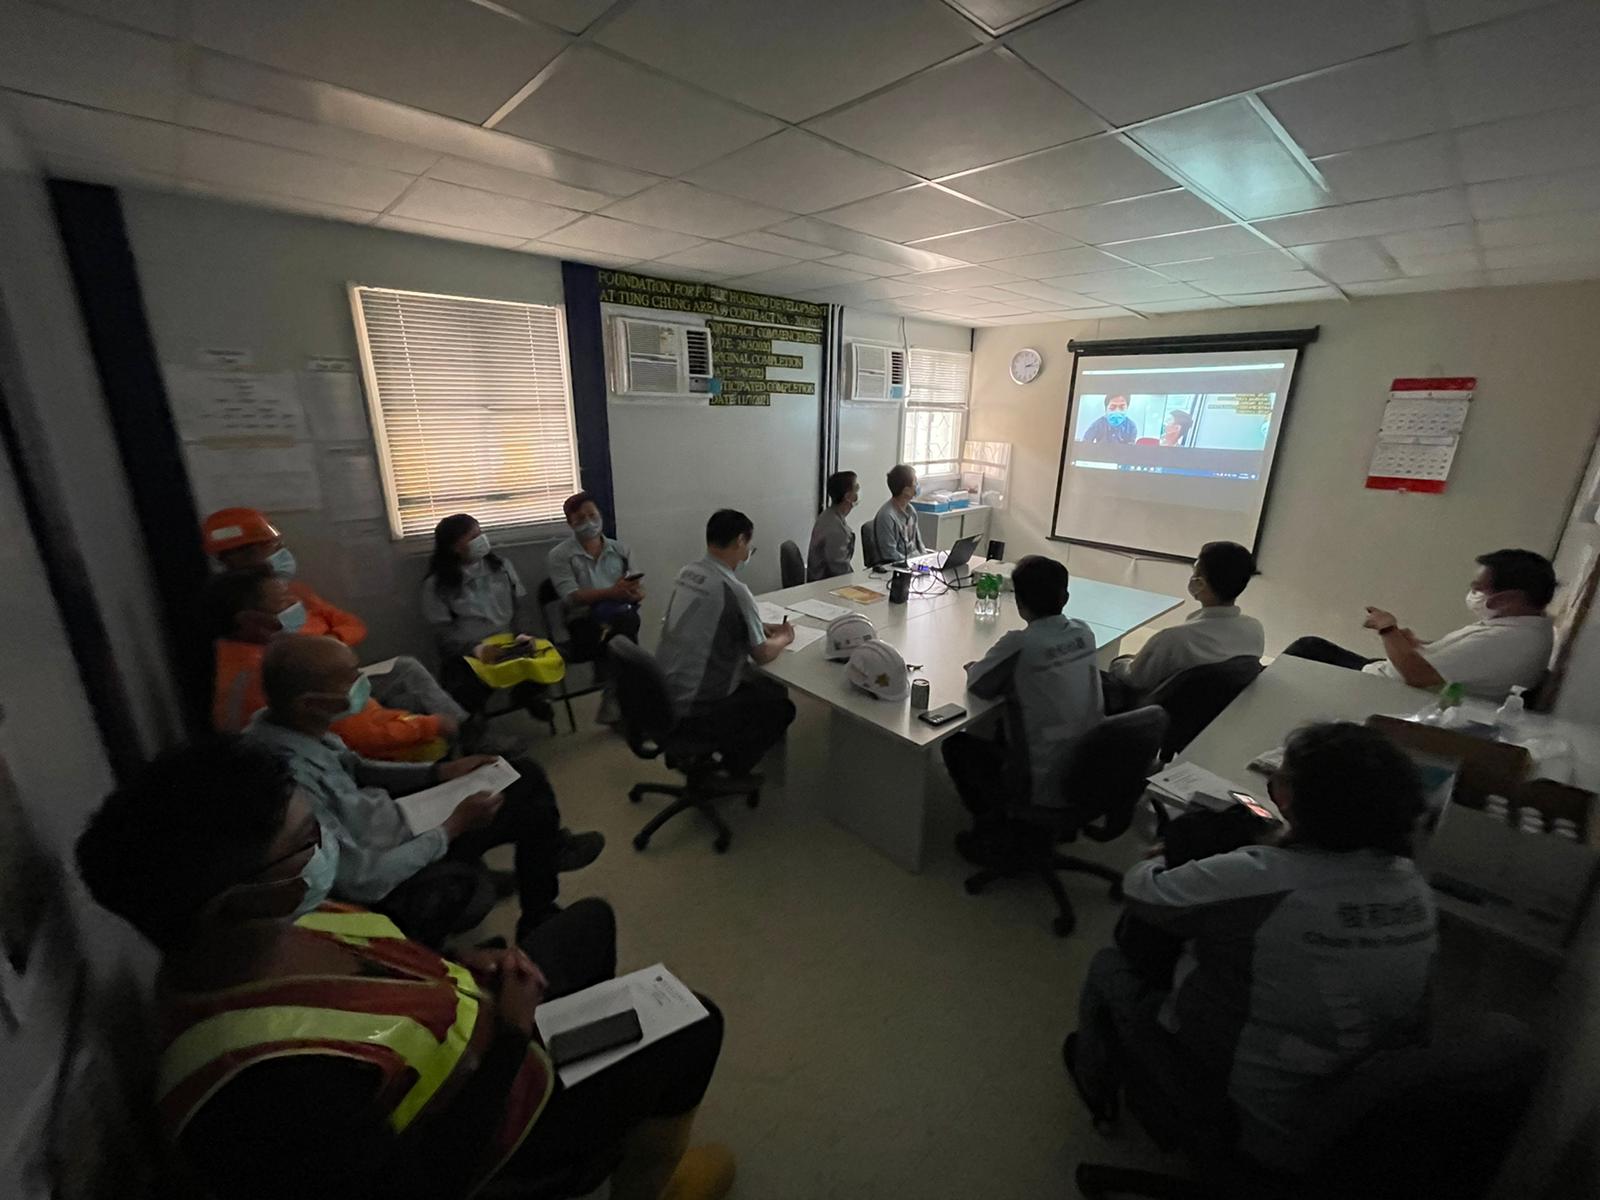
[350, 484]
[272, 478]
[238, 405]
[333, 402]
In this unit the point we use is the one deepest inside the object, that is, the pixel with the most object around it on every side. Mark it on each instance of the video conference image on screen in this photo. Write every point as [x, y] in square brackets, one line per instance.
[1168, 451]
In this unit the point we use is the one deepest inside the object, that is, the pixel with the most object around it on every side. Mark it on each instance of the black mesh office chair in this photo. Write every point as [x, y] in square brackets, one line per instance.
[1194, 698]
[1431, 1120]
[1104, 782]
[791, 565]
[552, 613]
[650, 726]
[869, 546]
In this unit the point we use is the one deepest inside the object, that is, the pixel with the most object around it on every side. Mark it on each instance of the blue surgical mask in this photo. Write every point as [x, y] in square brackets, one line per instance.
[1117, 418]
[360, 693]
[585, 530]
[318, 874]
[478, 548]
[293, 618]
[282, 563]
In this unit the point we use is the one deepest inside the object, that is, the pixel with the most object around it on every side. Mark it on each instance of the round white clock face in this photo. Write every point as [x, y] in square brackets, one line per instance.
[1026, 365]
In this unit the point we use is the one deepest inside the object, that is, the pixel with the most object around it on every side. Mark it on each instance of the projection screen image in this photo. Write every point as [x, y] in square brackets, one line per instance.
[1165, 452]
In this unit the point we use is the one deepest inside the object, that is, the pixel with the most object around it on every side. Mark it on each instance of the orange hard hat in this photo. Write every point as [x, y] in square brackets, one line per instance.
[229, 528]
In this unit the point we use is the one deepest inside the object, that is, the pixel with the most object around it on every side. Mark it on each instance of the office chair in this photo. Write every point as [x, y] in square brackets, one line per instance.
[1194, 698]
[650, 726]
[869, 546]
[1104, 782]
[1431, 1120]
[791, 565]
[555, 632]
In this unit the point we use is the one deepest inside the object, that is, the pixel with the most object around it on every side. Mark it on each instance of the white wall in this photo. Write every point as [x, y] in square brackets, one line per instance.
[1329, 545]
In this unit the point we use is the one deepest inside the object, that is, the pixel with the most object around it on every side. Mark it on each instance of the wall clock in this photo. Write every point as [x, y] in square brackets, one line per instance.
[1026, 365]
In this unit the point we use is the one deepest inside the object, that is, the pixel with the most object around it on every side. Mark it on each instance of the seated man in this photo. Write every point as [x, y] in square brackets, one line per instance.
[711, 628]
[1115, 426]
[1508, 645]
[1300, 958]
[309, 682]
[246, 609]
[895, 526]
[1047, 675]
[1215, 632]
[833, 541]
[599, 590]
[399, 1073]
[243, 537]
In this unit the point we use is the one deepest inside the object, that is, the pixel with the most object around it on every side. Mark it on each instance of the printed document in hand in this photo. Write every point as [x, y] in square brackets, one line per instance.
[1182, 780]
[804, 635]
[428, 808]
[774, 614]
[663, 1003]
[820, 609]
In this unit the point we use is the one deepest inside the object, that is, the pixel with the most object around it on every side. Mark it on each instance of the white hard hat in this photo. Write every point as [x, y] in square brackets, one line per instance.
[877, 667]
[846, 633]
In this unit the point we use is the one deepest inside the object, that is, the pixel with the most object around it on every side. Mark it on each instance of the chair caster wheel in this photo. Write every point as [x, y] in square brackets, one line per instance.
[720, 845]
[1116, 890]
[635, 795]
[640, 842]
[752, 800]
[1063, 925]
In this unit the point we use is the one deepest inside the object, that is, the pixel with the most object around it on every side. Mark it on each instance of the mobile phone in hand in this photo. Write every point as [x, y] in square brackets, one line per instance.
[574, 1045]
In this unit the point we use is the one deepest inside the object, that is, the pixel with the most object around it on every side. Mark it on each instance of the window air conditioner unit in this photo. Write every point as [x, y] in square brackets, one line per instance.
[657, 358]
[877, 372]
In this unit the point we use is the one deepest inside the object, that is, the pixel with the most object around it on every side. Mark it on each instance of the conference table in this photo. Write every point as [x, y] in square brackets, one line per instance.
[874, 770]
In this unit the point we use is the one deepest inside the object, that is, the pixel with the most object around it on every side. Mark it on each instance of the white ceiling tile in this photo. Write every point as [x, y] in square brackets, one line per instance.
[68, 130]
[1185, 247]
[923, 301]
[870, 289]
[114, 174]
[1257, 262]
[958, 278]
[1176, 211]
[1546, 254]
[956, 306]
[1053, 297]
[848, 241]
[1565, 272]
[599, 105]
[1442, 239]
[295, 205]
[1419, 165]
[1142, 291]
[1445, 15]
[267, 170]
[460, 60]
[1355, 260]
[1011, 240]
[1573, 191]
[965, 114]
[68, 57]
[919, 212]
[1001, 295]
[1430, 283]
[800, 172]
[1245, 285]
[621, 238]
[1369, 218]
[789, 247]
[1539, 61]
[1087, 172]
[1105, 312]
[1036, 317]
[572, 15]
[452, 233]
[1079, 261]
[1550, 142]
[689, 209]
[594, 258]
[489, 212]
[1112, 57]
[726, 260]
[793, 60]
[1302, 296]
[251, 124]
[1454, 262]
[518, 183]
[998, 15]
[800, 277]
[1175, 306]
[152, 16]
[1531, 231]
[1385, 98]
[866, 265]
[1098, 283]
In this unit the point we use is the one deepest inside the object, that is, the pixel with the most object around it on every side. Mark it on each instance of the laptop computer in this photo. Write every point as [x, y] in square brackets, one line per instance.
[952, 568]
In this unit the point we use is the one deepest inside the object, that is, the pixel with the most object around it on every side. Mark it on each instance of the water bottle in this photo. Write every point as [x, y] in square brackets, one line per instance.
[1439, 712]
[1509, 715]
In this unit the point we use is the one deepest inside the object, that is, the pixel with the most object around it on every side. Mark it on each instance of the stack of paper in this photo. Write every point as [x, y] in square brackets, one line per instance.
[775, 614]
[819, 609]
[428, 808]
[659, 997]
[804, 635]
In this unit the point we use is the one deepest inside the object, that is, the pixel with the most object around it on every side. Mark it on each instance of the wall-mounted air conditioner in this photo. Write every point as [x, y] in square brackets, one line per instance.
[876, 372]
[658, 358]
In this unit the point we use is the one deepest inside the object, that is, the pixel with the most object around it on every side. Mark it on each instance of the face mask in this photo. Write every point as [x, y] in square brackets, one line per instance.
[1194, 586]
[477, 548]
[1478, 603]
[318, 874]
[282, 563]
[360, 693]
[917, 490]
[587, 529]
[1118, 419]
[293, 617]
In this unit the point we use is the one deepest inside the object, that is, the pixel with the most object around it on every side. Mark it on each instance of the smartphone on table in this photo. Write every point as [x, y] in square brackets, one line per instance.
[944, 714]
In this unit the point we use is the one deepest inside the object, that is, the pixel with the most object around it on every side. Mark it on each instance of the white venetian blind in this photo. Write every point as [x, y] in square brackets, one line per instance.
[472, 407]
[935, 410]
[939, 378]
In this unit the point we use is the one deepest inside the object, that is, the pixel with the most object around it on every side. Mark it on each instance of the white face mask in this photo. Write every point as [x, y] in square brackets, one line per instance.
[318, 874]
[293, 618]
[478, 548]
[1478, 603]
[587, 529]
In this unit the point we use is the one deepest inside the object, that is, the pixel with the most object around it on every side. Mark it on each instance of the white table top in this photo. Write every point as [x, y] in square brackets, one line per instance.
[936, 631]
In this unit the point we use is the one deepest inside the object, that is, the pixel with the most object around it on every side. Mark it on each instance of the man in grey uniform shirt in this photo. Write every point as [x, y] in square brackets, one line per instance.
[1301, 959]
[895, 526]
[711, 629]
[833, 542]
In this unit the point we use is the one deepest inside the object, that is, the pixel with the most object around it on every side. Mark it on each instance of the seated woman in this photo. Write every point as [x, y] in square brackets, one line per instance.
[246, 609]
[310, 1050]
[471, 593]
[1300, 959]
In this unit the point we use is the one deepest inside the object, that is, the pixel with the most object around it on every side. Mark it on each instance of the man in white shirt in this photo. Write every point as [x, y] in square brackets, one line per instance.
[1047, 675]
[1508, 646]
[895, 526]
[1215, 632]
[711, 629]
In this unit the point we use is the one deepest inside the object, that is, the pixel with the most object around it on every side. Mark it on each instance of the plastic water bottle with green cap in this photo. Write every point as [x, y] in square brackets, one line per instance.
[1442, 711]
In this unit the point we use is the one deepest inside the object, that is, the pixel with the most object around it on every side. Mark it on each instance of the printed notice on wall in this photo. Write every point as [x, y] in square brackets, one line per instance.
[236, 405]
[332, 394]
[1421, 429]
[272, 478]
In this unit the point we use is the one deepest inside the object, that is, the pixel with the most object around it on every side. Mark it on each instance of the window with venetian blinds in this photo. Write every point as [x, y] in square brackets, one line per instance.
[471, 405]
[936, 410]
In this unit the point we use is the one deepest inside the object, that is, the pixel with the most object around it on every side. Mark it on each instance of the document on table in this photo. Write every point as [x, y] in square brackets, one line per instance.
[861, 595]
[775, 614]
[820, 609]
[428, 808]
[804, 635]
[663, 1003]
[1182, 780]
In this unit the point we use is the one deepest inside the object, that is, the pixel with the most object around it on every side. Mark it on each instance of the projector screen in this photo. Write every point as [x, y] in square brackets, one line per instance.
[1168, 450]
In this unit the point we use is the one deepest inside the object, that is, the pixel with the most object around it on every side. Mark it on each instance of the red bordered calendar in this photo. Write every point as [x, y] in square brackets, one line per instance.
[1422, 426]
